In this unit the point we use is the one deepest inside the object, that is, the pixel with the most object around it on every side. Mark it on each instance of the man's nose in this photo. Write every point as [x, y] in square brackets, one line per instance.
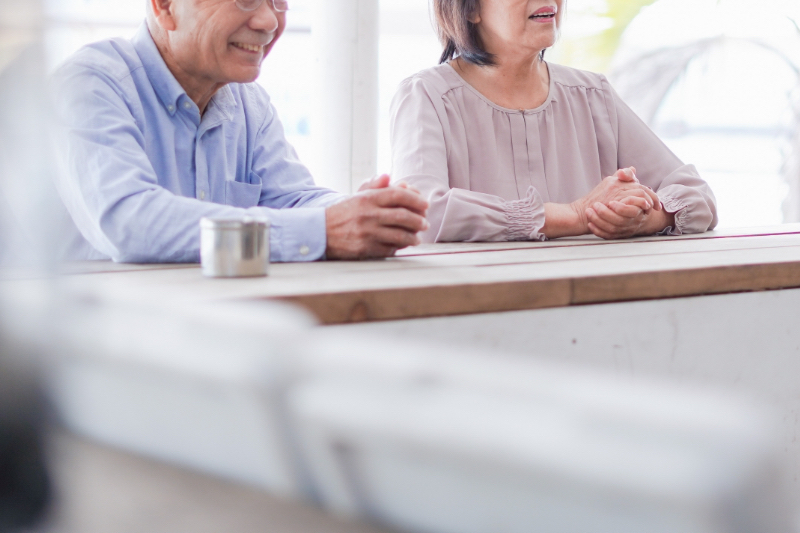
[264, 18]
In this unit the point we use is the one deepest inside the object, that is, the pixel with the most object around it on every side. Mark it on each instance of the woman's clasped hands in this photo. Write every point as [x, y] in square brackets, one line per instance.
[621, 207]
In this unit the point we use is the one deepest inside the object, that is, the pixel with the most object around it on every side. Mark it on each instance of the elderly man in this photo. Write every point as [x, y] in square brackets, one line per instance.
[167, 128]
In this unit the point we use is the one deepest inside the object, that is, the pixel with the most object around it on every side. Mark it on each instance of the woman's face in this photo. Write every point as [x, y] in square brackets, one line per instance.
[519, 26]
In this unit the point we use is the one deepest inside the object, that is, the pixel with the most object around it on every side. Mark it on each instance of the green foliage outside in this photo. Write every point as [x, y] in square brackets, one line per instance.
[595, 51]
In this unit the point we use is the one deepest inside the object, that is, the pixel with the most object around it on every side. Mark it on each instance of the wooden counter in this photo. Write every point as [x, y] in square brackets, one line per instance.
[469, 278]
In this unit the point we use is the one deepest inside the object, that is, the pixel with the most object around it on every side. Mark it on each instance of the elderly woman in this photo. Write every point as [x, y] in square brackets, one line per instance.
[506, 146]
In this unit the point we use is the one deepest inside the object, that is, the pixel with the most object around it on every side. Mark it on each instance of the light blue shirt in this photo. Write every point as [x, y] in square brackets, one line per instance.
[142, 167]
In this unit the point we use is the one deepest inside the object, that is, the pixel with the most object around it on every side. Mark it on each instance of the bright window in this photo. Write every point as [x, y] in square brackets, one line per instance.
[729, 112]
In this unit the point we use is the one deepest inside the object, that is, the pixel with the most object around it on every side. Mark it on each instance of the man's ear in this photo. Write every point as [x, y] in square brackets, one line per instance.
[162, 11]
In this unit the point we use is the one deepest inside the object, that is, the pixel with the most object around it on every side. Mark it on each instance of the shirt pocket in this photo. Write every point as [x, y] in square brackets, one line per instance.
[241, 194]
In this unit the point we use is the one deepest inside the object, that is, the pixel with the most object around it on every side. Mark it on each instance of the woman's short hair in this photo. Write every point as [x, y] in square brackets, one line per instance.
[459, 36]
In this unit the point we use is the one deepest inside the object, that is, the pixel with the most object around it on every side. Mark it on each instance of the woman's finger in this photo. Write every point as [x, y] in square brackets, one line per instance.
[594, 218]
[654, 197]
[604, 225]
[607, 214]
[639, 192]
[640, 202]
[610, 230]
[600, 233]
[625, 210]
[627, 175]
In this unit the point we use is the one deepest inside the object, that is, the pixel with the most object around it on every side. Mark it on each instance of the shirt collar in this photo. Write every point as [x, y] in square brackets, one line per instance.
[219, 110]
[224, 101]
[164, 83]
[167, 88]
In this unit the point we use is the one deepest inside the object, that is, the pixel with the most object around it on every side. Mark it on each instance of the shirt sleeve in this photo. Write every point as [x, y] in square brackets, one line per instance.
[681, 189]
[111, 189]
[419, 157]
[298, 229]
[286, 181]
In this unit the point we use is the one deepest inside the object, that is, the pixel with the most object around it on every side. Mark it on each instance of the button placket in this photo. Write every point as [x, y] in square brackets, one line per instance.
[519, 145]
[201, 174]
[536, 171]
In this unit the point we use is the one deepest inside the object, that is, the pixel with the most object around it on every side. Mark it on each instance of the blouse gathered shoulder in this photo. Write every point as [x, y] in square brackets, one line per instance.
[487, 171]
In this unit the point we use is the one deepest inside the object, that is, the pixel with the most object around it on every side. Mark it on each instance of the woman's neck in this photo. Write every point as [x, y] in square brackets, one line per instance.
[513, 83]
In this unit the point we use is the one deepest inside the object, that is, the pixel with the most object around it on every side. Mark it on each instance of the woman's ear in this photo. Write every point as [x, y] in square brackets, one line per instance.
[475, 13]
[162, 11]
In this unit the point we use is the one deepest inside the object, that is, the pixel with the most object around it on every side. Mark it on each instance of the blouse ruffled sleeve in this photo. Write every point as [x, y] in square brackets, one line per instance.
[681, 189]
[419, 158]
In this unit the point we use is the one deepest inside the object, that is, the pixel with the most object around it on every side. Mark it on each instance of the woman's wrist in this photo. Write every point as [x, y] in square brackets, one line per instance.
[564, 220]
[658, 221]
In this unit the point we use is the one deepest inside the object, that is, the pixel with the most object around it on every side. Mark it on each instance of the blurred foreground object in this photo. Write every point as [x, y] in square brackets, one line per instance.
[24, 486]
[434, 440]
[103, 490]
[414, 436]
[182, 385]
[28, 201]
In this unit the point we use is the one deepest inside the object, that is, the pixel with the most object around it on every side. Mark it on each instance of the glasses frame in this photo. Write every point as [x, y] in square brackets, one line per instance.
[284, 7]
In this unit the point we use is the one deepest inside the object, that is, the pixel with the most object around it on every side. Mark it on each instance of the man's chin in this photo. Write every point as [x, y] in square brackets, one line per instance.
[245, 75]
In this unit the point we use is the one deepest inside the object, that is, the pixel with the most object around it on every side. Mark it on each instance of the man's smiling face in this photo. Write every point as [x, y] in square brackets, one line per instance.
[217, 42]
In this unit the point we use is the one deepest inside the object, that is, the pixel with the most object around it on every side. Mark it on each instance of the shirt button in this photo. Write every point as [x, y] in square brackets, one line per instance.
[171, 108]
[305, 250]
[187, 105]
[202, 195]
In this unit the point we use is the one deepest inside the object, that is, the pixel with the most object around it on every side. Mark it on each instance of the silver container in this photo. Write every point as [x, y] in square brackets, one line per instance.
[234, 248]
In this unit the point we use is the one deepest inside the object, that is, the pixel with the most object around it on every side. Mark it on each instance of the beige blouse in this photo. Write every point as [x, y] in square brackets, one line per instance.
[488, 171]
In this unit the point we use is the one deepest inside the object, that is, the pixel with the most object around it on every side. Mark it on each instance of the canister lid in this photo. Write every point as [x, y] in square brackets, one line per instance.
[232, 223]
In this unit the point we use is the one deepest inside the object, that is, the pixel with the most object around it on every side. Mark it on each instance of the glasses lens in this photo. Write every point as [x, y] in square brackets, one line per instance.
[248, 5]
[251, 5]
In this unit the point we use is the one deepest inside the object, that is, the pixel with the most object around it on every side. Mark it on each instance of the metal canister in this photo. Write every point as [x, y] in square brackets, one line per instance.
[234, 248]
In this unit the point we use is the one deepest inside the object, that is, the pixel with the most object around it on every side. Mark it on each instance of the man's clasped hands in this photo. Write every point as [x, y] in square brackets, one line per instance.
[376, 222]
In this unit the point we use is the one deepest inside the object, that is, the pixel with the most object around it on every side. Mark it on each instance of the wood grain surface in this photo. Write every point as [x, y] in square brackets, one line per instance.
[466, 278]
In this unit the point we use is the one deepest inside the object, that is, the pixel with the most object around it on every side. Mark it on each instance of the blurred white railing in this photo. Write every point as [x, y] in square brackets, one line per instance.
[415, 436]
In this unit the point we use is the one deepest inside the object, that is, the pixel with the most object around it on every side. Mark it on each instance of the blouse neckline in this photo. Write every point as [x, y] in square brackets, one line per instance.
[480, 95]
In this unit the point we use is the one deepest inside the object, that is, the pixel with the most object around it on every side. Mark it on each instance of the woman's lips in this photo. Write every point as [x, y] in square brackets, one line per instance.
[544, 14]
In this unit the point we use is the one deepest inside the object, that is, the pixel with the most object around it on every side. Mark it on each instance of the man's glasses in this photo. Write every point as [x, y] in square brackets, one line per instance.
[251, 5]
